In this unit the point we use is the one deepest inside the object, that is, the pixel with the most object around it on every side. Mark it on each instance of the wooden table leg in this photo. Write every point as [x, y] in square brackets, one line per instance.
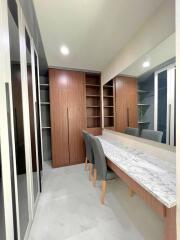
[170, 224]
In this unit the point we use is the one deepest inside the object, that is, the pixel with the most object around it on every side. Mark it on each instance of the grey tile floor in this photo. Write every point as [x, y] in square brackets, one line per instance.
[69, 209]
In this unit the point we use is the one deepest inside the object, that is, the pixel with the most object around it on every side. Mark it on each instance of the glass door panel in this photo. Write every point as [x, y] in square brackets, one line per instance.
[31, 115]
[162, 103]
[18, 116]
[165, 100]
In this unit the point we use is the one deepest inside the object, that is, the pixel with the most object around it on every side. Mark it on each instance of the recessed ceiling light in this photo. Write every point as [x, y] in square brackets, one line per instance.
[64, 50]
[146, 64]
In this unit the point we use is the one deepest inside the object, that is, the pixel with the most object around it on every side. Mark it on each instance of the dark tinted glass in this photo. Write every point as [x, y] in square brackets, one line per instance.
[18, 116]
[162, 103]
[31, 115]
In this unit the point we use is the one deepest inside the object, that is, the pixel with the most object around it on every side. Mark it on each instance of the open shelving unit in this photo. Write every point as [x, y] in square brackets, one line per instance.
[93, 100]
[45, 118]
[109, 102]
[142, 107]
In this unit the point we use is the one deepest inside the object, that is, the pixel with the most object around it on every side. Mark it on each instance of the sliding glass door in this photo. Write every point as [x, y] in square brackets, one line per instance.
[164, 108]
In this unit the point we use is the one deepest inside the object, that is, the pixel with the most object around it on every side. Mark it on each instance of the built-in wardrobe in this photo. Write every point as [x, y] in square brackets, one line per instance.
[126, 103]
[69, 93]
[120, 98]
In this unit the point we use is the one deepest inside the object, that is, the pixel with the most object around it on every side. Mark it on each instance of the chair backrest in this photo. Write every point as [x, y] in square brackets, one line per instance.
[132, 131]
[99, 158]
[152, 135]
[88, 146]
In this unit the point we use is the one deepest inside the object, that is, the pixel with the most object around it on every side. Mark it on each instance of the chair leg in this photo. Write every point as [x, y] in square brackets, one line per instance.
[85, 165]
[103, 191]
[94, 177]
[130, 192]
[90, 171]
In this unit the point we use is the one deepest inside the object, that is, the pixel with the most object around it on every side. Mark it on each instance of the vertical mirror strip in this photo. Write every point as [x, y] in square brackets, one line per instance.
[11, 161]
[31, 115]
[38, 120]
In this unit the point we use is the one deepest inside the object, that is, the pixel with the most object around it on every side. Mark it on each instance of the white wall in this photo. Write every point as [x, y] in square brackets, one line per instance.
[178, 113]
[155, 30]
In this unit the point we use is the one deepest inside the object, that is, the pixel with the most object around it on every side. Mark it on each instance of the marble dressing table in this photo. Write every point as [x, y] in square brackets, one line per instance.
[146, 173]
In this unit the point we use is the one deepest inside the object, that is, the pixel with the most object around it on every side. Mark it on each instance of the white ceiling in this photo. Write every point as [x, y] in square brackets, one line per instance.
[94, 30]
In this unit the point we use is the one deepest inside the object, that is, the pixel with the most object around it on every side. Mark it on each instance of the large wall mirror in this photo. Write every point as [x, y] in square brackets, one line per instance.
[140, 101]
[18, 116]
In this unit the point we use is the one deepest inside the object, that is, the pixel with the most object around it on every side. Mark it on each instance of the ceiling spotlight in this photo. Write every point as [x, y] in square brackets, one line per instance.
[146, 64]
[64, 50]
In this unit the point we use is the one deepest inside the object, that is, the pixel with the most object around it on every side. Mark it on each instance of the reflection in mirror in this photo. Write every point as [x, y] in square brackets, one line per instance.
[38, 120]
[18, 115]
[2, 217]
[31, 115]
[140, 101]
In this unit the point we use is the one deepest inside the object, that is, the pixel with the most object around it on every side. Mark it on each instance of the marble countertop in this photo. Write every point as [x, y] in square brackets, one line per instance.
[156, 175]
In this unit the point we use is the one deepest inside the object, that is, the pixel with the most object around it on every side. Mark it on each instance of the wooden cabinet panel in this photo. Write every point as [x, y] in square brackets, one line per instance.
[126, 103]
[76, 116]
[58, 81]
[67, 99]
[132, 102]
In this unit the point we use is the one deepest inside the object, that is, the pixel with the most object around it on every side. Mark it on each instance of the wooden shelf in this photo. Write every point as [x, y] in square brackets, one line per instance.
[108, 106]
[44, 86]
[45, 103]
[92, 85]
[143, 104]
[107, 86]
[92, 95]
[46, 127]
[142, 91]
[143, 122]
[93, 106]
[108, 116]
[108, 96]
[93, 100]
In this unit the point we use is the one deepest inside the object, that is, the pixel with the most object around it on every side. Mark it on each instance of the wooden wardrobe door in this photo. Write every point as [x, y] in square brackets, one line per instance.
[120, 105]
[126, 103]
[58, 81]
[132, 102]
[76, 116]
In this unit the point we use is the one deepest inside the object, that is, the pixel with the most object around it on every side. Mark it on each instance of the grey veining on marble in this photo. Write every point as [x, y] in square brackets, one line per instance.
[156, 175]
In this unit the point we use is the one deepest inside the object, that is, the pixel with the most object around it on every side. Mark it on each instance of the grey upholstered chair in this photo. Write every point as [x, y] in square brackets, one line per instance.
[152, 135]
[132, 131]
[89, 153]
[101, 171]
